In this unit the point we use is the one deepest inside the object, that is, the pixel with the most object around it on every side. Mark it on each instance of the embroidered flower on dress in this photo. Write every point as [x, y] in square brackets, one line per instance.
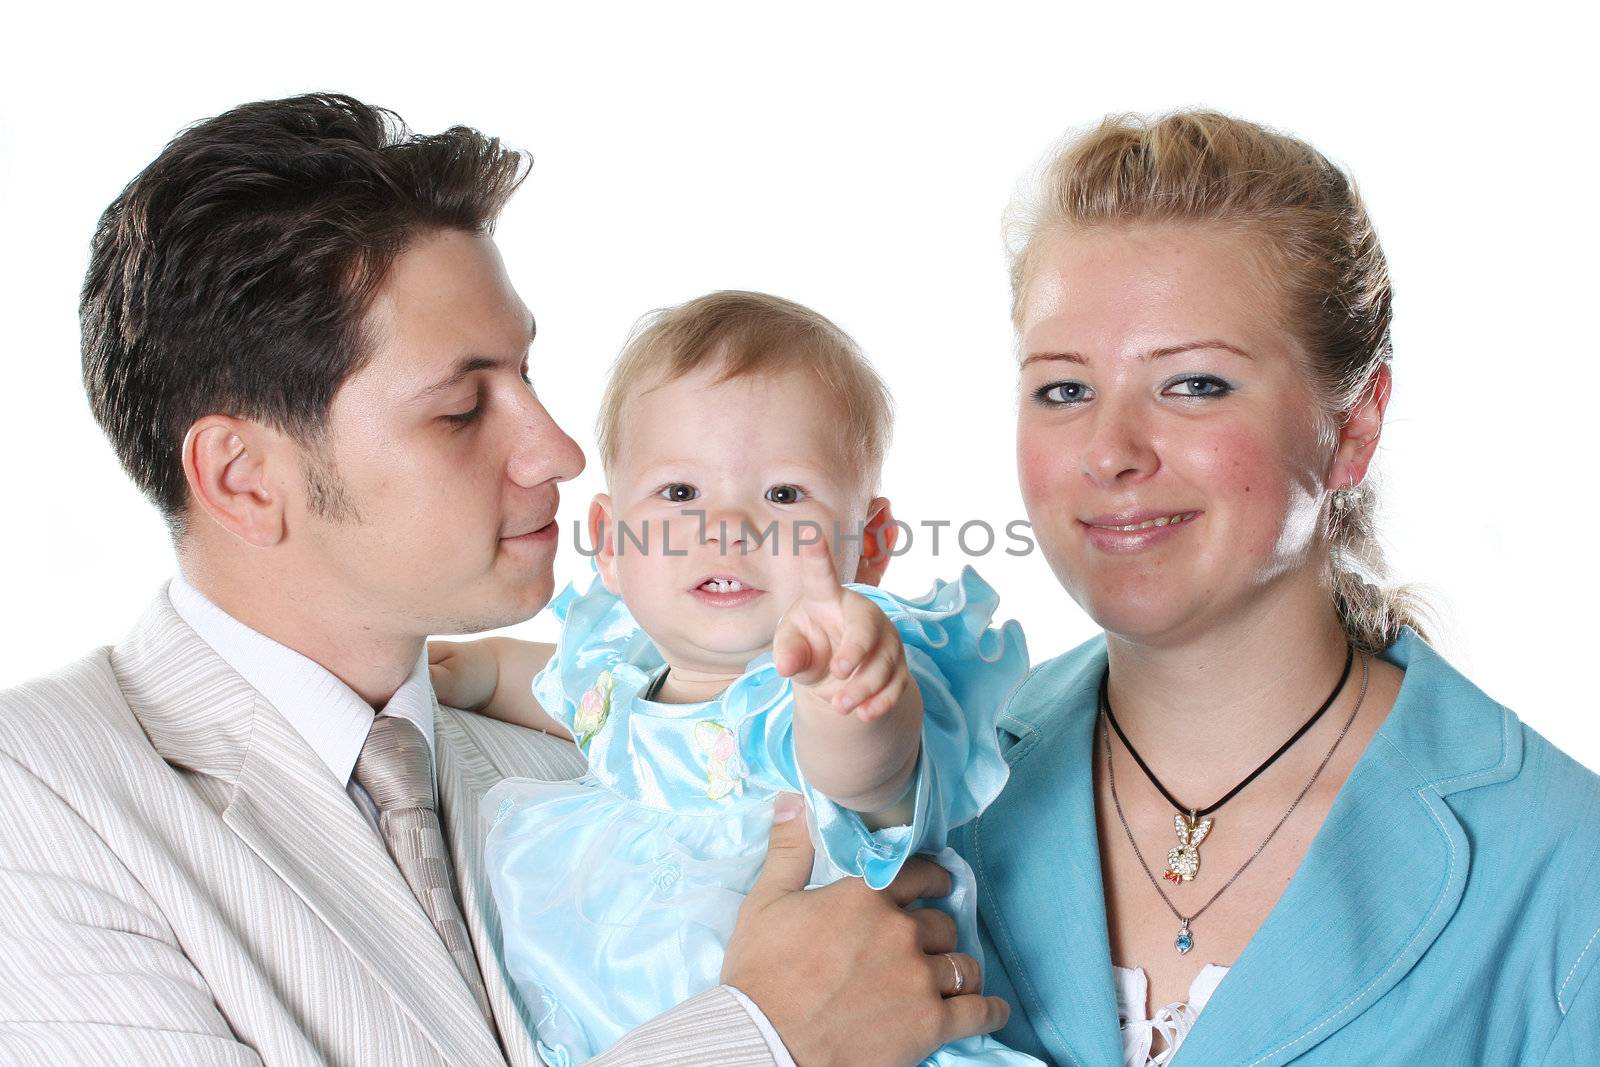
[593, 708]
[716, 741]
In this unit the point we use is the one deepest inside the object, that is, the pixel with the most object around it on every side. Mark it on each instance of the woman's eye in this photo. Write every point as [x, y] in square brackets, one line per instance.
[1062, 393]
[1199, 385]
[785, 494]
[678, 492]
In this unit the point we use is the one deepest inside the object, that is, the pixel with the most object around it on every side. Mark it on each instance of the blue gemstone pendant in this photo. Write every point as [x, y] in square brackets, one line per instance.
[1184, 942]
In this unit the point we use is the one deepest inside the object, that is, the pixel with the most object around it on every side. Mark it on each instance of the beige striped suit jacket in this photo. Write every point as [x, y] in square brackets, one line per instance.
[183, 882]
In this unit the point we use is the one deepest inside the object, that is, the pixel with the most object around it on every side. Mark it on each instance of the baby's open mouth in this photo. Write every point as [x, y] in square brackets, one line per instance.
[722, 585]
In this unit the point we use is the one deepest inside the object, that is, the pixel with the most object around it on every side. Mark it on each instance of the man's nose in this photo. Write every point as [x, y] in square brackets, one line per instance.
[542, 451]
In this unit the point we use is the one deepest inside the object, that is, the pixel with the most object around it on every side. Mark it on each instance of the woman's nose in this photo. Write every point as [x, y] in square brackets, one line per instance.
[1119, 448]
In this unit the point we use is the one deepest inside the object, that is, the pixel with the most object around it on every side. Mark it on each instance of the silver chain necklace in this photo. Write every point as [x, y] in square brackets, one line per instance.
[1185, 940]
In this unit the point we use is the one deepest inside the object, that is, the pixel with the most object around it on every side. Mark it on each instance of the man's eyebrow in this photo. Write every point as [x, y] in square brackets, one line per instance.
[463, 369]
[1154, 353]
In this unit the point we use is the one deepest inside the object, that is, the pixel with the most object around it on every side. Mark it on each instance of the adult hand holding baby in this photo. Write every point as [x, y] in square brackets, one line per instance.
[879, 979]
[858, 714]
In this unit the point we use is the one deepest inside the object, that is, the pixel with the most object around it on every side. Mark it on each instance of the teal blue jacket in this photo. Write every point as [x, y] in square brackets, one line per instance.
[1448, 911]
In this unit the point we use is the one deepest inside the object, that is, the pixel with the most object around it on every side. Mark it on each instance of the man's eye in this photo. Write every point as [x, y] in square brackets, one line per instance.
[1199, 385]
[785, 494]
[678, 492]
[464, 417]
[1062, 393]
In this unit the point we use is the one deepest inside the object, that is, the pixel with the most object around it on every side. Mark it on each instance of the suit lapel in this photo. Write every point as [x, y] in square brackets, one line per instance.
[1380, 881]
[465, 774]
[292, 813]
[1038, 866]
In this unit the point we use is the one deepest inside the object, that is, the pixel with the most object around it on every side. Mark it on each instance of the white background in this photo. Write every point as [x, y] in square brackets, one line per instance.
[857, 158]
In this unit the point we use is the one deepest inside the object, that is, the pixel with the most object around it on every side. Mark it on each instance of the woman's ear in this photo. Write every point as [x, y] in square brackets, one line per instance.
[877, 542]
[228, 464]
[603, 536]
[1359, 433]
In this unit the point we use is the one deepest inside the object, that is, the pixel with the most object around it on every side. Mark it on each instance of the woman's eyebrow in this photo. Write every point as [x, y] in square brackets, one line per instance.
[1191, 346]
[1155, 353]
[1065, 357]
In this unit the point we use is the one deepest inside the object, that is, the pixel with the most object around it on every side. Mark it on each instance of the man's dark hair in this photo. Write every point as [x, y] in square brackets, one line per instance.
[231, 276]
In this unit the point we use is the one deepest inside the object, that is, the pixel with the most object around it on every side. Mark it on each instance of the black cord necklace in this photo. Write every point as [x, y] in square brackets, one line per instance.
[1193, 824]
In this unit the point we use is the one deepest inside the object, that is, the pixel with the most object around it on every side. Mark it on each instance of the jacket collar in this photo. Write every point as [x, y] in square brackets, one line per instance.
[289, 809]
[1380, 881]
[466, 773]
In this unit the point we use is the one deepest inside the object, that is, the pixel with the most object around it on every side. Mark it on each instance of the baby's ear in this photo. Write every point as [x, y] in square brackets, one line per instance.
[603, 536]
[877, 542]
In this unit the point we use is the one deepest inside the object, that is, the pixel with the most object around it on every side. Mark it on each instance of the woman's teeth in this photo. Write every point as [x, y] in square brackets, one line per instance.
[723, 585]
[1167, 520]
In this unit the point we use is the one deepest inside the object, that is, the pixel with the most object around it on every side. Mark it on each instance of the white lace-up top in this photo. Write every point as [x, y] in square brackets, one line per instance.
[1172, 1022]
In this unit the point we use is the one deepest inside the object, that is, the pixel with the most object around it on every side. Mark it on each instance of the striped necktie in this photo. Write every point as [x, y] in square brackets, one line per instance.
[396, 769]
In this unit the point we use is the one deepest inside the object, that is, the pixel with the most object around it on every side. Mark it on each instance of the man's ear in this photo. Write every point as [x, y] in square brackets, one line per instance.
[603, 536]
[877, 541]
[1359, 433]
[228, 464]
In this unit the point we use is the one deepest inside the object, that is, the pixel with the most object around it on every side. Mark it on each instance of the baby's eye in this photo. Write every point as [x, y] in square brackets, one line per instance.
[1063, 393]
[678, 492]
[785, 494]
[1198, 385]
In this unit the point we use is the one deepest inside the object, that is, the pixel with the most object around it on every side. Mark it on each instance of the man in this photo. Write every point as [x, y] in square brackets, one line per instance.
[302, 343]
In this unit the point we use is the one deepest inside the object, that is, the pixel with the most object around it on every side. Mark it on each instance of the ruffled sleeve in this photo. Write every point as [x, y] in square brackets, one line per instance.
[602, 660]
[965, 669]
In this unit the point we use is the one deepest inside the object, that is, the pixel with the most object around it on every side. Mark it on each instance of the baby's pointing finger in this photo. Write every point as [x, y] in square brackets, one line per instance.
[818, 579]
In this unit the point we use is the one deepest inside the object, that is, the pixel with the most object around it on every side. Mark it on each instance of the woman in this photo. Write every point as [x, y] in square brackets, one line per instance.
[1203, 311]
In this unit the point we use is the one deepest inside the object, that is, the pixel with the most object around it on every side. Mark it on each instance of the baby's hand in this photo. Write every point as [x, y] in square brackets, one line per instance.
[464, 673]
[835, 643]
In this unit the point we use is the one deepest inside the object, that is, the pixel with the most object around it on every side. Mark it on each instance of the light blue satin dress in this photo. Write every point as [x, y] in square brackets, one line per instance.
[617, 891]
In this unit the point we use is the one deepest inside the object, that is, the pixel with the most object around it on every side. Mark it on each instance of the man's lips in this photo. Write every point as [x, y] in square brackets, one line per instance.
[544, 532]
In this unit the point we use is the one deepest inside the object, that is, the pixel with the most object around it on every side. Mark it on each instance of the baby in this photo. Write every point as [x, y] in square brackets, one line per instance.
[717, 661]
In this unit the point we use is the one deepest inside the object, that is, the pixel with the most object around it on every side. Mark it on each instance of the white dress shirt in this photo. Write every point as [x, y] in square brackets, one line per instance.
[332, 719]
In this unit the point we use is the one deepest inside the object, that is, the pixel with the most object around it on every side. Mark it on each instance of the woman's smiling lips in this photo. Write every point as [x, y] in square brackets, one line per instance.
[1135, 531]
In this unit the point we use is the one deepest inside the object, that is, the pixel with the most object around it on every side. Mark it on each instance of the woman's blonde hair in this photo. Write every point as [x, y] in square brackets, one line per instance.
[743, 333]
[1201, 166]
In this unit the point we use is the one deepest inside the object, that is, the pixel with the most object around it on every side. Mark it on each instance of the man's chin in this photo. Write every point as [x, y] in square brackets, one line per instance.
[506, 607]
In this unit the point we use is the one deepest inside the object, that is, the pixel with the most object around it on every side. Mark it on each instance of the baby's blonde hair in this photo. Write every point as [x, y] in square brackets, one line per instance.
[1205, 167]
[743, 333]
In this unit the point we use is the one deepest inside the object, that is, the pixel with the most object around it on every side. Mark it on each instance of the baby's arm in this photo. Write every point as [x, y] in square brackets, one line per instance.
[493, 676]
[858, 713]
